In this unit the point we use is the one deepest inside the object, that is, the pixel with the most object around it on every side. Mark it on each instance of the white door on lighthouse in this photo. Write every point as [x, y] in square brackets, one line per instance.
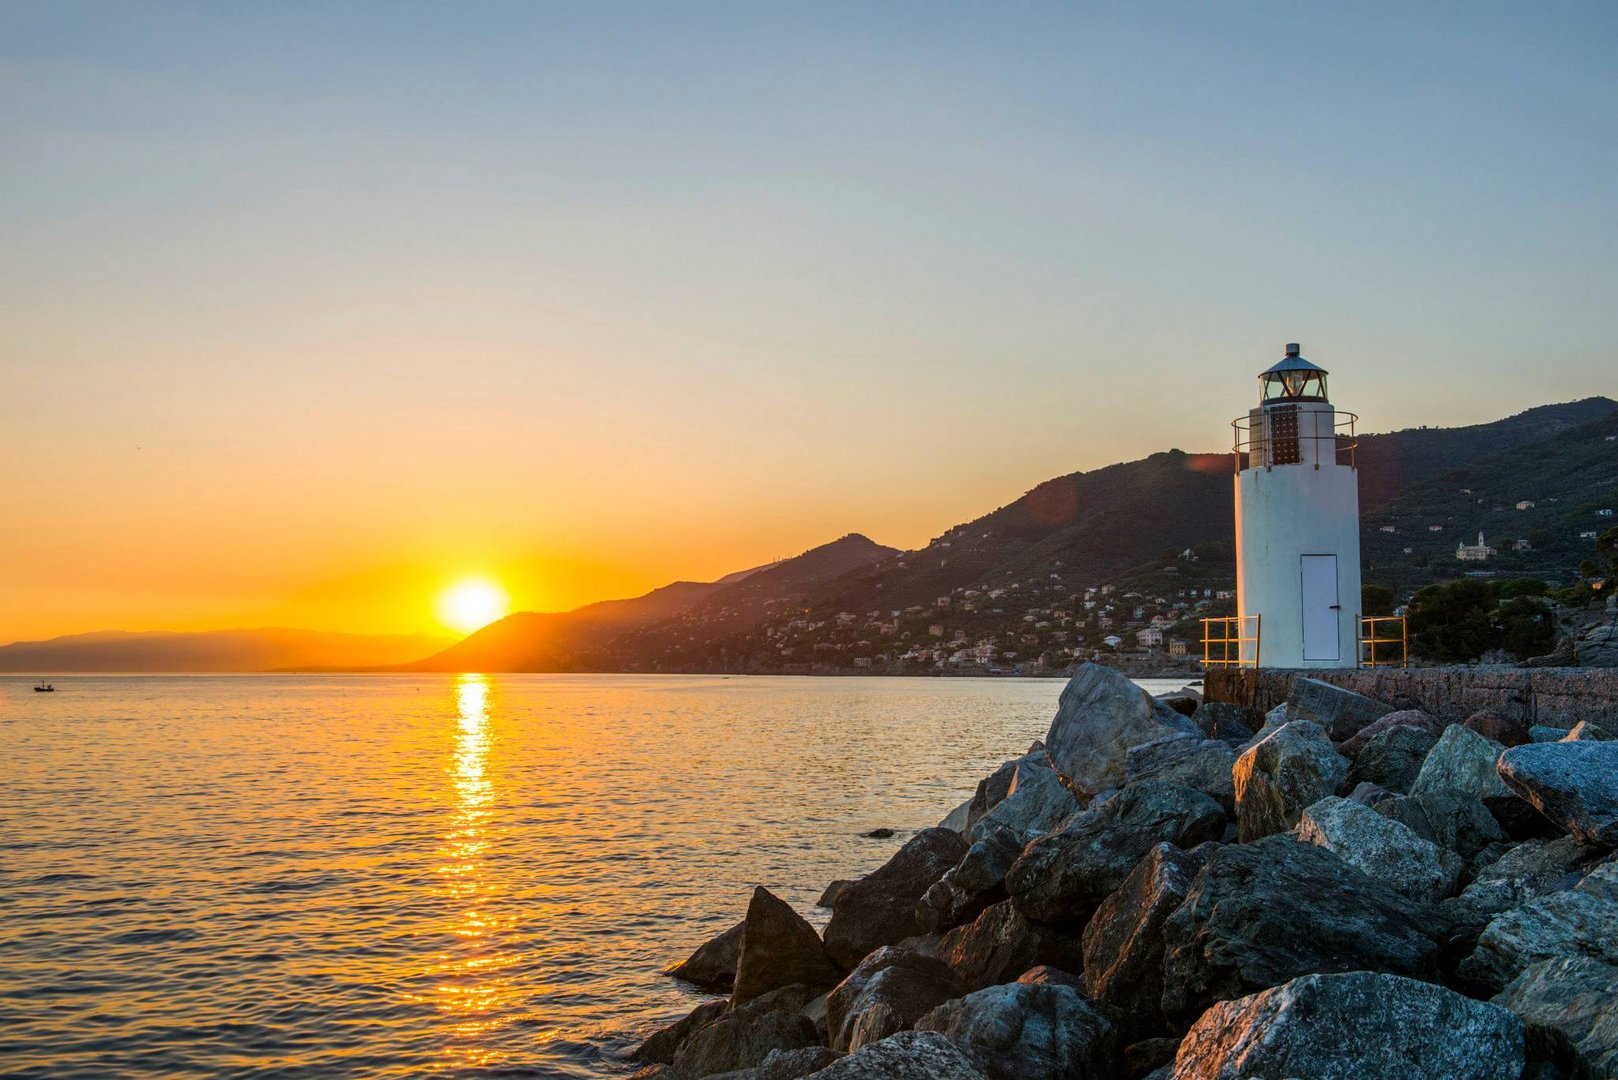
[1321, 608]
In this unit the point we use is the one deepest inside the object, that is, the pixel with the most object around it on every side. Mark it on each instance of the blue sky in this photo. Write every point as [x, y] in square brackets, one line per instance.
[765, 272]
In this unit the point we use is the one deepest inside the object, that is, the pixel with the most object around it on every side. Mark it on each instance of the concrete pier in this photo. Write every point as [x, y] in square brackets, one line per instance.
[1554, 697]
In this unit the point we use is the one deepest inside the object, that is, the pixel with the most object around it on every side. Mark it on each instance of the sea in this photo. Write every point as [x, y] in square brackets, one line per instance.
[458, 876]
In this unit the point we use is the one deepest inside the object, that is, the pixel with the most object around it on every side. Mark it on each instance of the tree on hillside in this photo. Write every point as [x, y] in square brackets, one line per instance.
[1376, 600]
[1461, 620]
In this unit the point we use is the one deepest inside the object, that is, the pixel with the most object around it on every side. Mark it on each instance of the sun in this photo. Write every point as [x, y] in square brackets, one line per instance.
[472, 604]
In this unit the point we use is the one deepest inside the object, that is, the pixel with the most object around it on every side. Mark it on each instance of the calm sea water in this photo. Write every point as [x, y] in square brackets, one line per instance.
[416, 876]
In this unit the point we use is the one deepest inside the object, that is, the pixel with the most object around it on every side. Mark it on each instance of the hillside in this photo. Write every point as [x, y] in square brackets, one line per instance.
[275, 649]
[1017, 576]
[1568, 478]
[615, 634]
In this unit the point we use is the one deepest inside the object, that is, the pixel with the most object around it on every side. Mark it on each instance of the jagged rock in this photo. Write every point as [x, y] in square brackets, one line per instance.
[1123, 941]
[1392, 758]
[828, 898]
[1044, 973]
[1036, 803]
[1584, 731]
[1027, 1031]
[974, 883]
[1581, 921]
[1001, 943]
[1528, 870]
[1411, 718]
[1450, 819]
[880, 908]
[779, 949]
[883, 833]
[785, 1065]
[654, 1072]
[1568, 1006]
[1229, 723]
[1274, 721]
[1339, 712]
[1352, 1027]
[1496, 728]
[1101, 715]
[1573, 784]
[1599, 646]
[1184, 701]
[1368, 794]
[1462, 761]
[1149, 1055]
[1200, 764]
[744, 1036]
[1064, 875]
[889, 991]
[713, 965]
[958, 819]
[909, 1055]
[1281, 774]
[1260, 914]
[1541, 733]
[1380, 847]
[660, 1046]
[992, 789]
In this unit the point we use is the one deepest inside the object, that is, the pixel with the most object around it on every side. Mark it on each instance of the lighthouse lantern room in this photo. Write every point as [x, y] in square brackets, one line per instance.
[1297, 523]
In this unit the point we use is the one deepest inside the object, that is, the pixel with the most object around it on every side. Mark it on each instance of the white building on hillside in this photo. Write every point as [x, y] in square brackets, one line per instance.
[1478, 552]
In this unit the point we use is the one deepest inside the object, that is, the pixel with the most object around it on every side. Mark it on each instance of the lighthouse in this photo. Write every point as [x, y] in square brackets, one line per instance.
[1297, 523]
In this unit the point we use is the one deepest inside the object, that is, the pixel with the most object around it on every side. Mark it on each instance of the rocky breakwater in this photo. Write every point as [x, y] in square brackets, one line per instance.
[1345, 891]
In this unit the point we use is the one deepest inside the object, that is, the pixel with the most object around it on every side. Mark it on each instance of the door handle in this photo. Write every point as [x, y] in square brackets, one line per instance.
[1337, 607]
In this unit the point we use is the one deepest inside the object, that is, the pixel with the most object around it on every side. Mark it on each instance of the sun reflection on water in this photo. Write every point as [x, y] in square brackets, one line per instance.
[474, 977]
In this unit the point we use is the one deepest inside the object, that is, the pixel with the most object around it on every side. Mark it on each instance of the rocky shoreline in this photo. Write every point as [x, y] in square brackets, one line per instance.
[1166, 888]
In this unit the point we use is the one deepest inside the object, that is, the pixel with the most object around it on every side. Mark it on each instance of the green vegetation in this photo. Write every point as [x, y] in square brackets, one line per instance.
[1461, 620]
[1376, 600]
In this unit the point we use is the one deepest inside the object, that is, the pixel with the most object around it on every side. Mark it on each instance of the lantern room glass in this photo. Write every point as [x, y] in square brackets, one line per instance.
[1299, 385]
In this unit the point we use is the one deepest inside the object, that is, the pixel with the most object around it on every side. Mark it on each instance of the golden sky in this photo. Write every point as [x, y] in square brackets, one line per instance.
[307, 313]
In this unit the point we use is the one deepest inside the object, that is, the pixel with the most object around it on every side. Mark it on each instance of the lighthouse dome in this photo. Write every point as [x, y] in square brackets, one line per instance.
[1293, 379]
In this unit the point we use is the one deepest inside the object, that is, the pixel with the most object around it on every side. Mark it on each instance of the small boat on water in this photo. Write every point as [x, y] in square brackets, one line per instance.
[44, 688]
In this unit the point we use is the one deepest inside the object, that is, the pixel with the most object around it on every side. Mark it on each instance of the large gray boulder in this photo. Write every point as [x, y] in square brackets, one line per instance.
[1453, 820]
[1063, 876]
[1412, 718]
[1261, 914]
[1279, 775]
[1341, 713]
[1123, 941]
[744, 1036]
[1531, 869]
[784, 1065]
[713, 965]
[889, 991]
[1573, 784]
[974, 883]
[1100, 716]
[779, 948]
[1200, 764]
[1027, 1031]
[661, 1045]
[1571, 1008]
[1392, 758]
[909, 1055]
[992, 789]
[1461, 761]
[1353, 1026]
[1581, 921]
[1002, 943]
[1036, 803]
[1380, 847]
[1229, 723]
[880, 908]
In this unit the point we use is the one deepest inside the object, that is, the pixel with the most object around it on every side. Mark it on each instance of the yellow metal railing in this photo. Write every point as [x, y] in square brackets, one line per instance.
[1225, 632]
[1384, 630]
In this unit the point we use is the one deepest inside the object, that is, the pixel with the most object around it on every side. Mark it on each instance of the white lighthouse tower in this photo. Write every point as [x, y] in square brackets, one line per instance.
[1297, 523]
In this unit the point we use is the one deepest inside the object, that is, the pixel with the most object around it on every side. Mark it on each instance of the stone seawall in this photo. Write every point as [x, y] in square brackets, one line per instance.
[1554, 697]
